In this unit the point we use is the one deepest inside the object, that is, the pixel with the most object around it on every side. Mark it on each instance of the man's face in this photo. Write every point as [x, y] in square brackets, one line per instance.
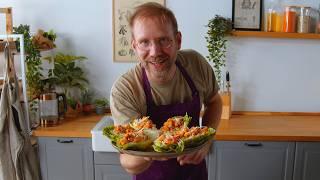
[156, 45]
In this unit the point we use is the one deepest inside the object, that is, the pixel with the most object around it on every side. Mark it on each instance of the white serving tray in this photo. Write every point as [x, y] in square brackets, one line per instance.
[100, 142]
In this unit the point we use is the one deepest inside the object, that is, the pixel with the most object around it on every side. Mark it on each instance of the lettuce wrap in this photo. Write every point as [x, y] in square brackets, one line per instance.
[201, 137]
[176, 123]
[129, 139]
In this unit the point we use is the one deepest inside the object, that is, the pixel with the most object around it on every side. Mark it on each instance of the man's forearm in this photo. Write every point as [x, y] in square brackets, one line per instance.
[212, 113]
[134, 165]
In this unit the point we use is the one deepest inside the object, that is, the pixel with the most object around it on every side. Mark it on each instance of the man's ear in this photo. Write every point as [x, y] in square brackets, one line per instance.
[179, 39]
[133, 44]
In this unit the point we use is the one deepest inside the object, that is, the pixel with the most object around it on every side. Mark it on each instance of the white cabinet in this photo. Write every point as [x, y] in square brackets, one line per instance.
[66, 158]
[307, 161]
[107, 167]
[247, 160]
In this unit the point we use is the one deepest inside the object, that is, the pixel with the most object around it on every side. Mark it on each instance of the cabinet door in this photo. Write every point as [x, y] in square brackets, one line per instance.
[66, 158]
[230, 160]
[107, 167]
[111, 172]
[307, 161]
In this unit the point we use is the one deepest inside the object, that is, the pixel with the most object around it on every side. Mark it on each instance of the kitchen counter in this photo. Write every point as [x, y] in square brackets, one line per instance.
[248, 126]
[70, 127]
[270, 127]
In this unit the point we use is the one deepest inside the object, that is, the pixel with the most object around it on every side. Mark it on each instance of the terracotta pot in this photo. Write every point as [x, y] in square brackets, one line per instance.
[72, 113]
[87, 108]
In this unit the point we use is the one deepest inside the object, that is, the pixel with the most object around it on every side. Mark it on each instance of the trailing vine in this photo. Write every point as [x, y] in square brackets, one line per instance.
[33, 62]
[218, 28]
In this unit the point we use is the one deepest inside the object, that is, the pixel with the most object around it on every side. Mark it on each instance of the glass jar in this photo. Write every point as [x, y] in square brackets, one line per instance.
[317, 24]
[273, 16]
[270, 21]
[304, 19]
[289, 19]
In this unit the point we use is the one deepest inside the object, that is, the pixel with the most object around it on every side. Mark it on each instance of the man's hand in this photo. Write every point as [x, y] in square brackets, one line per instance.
[156, 159]
[135, 164]
[196, 157]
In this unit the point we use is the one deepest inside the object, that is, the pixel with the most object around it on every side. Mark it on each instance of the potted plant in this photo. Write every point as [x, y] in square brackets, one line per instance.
[33, 62]
[32, 46]
[218, 28]
[73, 107]
[86, 101]
[101, 104]
[66, 74]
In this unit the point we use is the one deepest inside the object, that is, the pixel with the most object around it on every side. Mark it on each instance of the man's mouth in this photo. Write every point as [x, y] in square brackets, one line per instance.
[158, 63]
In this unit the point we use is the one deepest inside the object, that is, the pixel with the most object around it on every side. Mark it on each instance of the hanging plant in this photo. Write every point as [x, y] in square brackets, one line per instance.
[34, 77]
[33, 62]
[218, 28]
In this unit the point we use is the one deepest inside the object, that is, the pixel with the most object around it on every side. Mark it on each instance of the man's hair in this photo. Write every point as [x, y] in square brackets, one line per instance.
[154, 10]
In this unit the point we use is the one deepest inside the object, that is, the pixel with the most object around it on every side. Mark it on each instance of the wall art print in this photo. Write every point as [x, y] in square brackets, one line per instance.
[122, 9]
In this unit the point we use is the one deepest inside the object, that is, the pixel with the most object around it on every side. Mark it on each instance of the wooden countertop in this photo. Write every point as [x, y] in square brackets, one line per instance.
[252, 126]
[270, 127]
[70, 127]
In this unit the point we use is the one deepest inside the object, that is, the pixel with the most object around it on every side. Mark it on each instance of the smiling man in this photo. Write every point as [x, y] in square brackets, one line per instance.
[167, 82]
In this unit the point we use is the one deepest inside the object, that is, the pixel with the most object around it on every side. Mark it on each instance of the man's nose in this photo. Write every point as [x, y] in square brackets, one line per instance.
[155, 49]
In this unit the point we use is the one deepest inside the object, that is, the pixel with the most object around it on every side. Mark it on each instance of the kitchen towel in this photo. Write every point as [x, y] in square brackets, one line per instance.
[17, 158]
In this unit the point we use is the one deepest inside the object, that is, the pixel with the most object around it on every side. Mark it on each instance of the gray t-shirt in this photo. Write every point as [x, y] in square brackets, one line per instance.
[128, 100]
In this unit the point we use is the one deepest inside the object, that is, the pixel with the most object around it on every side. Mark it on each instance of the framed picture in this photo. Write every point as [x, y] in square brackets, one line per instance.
[122, 9]
[247, 14]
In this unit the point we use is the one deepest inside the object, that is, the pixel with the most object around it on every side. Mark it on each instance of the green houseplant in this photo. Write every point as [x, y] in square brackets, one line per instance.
[35, 80]
[218, 28]
[33, 62]
[66, 74]
[100, 105]
[86, 100]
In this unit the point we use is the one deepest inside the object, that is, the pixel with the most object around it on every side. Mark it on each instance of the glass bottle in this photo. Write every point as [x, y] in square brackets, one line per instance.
[274, 17]
[289, 19]
[318, 20]
[304, 19]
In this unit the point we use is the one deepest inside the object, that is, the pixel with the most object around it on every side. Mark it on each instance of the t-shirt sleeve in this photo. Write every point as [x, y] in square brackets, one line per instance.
[122, 104]
[209, 80]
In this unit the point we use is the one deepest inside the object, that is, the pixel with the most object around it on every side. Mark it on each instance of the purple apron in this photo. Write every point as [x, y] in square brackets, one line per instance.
[171, 170]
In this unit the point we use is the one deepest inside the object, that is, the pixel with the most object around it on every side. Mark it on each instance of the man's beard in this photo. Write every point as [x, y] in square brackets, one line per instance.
[159, 73]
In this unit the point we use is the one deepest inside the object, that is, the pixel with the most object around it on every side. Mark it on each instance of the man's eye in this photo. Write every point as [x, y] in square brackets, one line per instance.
[144, 43]
[164, 41]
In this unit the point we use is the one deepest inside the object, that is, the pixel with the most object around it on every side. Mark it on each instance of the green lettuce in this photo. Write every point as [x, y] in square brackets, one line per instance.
[136, 146]
[109, 132]
[198, 139]
[158, 146]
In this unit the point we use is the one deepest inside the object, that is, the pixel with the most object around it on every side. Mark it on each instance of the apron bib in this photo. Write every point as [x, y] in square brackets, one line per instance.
[171, 169]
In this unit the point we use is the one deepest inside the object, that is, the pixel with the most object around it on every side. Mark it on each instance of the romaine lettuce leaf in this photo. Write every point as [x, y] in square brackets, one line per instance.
[137, 146]
[159, 146]
[109, 132]
[198, 139]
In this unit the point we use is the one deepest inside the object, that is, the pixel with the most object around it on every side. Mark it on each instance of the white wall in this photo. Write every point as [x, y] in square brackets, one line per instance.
[267, 74]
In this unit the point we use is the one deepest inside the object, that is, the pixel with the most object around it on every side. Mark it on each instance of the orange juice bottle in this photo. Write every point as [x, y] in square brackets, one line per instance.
[270, 20]
[278, 22]
[289, 19]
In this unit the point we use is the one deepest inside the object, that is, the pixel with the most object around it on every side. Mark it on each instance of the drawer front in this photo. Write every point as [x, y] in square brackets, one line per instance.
[251, 160]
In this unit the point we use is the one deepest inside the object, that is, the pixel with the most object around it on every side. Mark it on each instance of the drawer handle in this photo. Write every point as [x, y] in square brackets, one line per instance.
[253, 144]
[64, 141]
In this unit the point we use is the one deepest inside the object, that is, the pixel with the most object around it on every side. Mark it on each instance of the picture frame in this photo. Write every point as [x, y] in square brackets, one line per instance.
[247, 14]
[121, 33]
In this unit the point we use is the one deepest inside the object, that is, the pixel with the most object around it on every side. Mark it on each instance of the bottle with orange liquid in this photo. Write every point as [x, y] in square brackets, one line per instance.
[289, 19]
[274, 17]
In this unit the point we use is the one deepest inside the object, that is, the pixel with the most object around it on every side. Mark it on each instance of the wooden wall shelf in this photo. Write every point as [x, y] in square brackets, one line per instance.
[263, 34]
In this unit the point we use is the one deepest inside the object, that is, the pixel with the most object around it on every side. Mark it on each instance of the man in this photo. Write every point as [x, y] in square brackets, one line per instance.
[167, 82]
